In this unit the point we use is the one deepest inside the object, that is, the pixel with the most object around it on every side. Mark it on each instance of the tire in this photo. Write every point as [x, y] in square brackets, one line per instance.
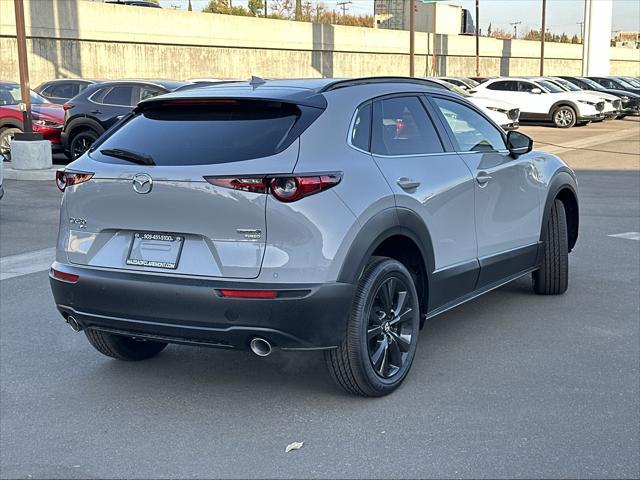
[121, 347]
[6, 136]
[364, 363]
[553, 276]
[564, 117]
[81, 142]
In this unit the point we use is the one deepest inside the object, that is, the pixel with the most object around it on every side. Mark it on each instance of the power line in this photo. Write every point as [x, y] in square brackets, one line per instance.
[344, 5]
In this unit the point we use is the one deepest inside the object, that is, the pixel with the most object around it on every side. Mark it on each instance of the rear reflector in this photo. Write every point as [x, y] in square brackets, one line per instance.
[67, 106]
[249, 293]
[64, 276]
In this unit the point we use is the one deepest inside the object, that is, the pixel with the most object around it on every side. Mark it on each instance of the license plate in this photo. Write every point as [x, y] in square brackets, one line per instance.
[159, 250]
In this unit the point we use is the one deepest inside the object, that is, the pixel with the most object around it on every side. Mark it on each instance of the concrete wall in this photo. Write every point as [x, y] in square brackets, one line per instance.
[75, 38]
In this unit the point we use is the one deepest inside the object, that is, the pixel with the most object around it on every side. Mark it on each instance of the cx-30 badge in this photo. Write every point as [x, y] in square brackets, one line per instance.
[142, 183]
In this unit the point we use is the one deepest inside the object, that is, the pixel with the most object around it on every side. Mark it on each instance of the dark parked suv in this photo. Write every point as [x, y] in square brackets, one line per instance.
[100, 106]
[62, 90]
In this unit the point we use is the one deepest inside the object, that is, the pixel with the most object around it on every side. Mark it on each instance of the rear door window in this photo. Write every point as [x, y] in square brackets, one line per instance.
[505, 86]
[401, 126]
[63, 90]
[148, 92]
[220, 131]
[121, 95]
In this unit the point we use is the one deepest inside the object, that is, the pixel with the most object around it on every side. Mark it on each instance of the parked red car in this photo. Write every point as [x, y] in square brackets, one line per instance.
[48, 118]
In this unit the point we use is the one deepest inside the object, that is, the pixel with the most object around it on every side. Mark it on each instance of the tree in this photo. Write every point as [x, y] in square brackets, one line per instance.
[217, 6]
[189, 7]
[501, 34]
[489, 30]
[256, 7]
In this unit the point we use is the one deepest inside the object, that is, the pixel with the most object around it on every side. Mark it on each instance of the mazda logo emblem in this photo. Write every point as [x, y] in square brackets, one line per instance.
[142, 183]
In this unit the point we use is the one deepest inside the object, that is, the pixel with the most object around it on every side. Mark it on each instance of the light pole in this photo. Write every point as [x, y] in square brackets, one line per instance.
[477, 38]
[542, 35]
[412, 45]
[23, 66]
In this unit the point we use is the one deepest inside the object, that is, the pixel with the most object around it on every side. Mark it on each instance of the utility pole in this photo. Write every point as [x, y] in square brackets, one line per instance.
[344, 5]
[543, 34]
[412, 44]
[515, 28]
[477, 38]
[298, 16]
[581, 30]
[23, 66]
[265, 8]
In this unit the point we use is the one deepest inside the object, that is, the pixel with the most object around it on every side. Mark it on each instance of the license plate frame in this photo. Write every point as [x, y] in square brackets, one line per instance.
[163, 250]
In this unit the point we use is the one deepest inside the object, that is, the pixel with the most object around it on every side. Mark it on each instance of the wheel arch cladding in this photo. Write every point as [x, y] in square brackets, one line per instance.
[563, 187]
[564, 103]
[11, 123]
[80, 124]
[397, 233]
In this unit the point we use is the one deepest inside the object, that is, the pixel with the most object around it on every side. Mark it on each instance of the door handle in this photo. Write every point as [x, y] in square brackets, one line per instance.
[408, 184]
[483, 178]
[96, 112]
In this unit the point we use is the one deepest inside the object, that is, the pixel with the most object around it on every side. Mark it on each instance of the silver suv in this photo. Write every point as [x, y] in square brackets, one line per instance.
[322, 214]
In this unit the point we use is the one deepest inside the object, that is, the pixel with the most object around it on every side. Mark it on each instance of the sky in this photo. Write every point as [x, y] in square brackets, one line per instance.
[562, 15]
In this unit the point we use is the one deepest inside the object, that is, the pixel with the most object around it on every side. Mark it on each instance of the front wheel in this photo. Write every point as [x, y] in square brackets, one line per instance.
[81, 142]
[564, 117]
[382, 331]
[6, 137]
[121, 347]
[553, 276]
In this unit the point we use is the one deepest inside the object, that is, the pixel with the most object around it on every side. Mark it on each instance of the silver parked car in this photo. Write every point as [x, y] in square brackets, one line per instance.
[334, 215]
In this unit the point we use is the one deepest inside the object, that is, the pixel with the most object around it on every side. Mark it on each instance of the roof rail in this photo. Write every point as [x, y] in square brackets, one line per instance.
[369, 80]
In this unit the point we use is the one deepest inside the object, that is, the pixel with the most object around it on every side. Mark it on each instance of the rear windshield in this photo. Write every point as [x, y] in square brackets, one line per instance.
[204, 133]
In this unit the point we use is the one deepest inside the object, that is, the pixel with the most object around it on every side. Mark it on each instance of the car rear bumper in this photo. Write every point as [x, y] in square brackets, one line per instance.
[191, 311]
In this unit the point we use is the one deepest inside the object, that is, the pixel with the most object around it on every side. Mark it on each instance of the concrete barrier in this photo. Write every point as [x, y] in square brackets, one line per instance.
[31, 155]
[76, 38]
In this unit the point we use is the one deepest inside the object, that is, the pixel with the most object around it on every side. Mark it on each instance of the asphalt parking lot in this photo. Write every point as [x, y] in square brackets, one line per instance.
[508, 385]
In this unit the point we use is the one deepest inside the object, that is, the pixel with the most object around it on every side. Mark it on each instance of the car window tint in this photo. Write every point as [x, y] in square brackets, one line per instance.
[472, 131]
[401, 126]
[526, 87]
[64, 90]
[361, 130]
[507, 86]
[149, 92]
[118, 96]
[206, 134]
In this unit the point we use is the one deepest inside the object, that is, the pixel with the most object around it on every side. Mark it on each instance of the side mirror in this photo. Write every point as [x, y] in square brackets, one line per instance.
[536, 91]
[518, 143]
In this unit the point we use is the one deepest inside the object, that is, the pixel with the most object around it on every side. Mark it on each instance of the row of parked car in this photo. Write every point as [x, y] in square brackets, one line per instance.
[73, 113]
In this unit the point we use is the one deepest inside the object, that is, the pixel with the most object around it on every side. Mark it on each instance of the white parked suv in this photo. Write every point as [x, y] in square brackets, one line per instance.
[541, 100]
[612, 103]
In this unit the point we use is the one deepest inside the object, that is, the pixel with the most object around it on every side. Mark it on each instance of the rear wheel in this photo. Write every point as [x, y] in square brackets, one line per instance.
[564, 117]
[553, 276]
[6, 136]
[121, 347]
[81, 142]
[382, 331]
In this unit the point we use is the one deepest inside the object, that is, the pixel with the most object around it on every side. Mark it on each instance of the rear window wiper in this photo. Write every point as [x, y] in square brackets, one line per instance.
[129, 155]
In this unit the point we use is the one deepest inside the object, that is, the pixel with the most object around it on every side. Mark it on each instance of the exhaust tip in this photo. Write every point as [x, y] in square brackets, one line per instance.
[260, 347]
[73, 323]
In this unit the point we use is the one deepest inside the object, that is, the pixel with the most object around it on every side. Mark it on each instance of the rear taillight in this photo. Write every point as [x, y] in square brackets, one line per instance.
[283, 188]
[64, 276]
[66, 179]
[67, 106]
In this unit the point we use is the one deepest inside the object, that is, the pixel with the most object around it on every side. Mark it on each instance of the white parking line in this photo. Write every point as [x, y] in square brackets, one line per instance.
[26, 263]
[627, 235]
